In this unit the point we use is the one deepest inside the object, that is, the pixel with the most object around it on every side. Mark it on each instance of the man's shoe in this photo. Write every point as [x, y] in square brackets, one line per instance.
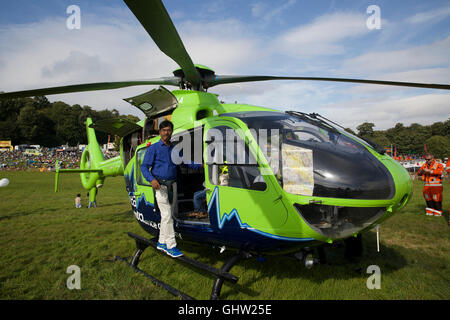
[161, 246]
[174, 252]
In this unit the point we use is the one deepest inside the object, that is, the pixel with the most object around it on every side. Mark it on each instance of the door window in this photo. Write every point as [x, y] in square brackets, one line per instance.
[230, 162]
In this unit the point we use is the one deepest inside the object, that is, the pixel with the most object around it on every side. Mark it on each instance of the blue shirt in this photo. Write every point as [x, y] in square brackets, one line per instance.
[158, 158]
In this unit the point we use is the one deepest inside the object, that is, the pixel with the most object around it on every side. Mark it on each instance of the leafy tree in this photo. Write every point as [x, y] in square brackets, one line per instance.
[365, 130]
[38, 121]
[439, 146]
[380, 139]
[41, 102]
[28, 123]
[35, 126]
[350, 131]
[9, 131]
[445, 129]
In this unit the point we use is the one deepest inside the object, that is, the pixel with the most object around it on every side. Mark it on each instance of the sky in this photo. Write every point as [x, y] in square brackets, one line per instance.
[405, 40]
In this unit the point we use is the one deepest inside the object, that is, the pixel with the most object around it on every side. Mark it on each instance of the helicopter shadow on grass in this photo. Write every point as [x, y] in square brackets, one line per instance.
[337, 266]
[252, 271]
[205, 255]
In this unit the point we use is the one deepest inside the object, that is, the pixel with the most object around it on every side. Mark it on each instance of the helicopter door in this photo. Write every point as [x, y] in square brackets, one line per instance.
[143, 191]
[189, 180]
[155, 103]
[235, 185]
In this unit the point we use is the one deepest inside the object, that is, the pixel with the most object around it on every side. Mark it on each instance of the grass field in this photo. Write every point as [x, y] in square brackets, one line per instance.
[42, 234]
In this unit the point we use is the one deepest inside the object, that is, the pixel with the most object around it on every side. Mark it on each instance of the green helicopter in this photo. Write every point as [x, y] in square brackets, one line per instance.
[294, 180]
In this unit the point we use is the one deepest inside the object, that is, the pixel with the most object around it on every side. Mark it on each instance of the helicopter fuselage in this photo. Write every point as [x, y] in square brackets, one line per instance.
[292, 181]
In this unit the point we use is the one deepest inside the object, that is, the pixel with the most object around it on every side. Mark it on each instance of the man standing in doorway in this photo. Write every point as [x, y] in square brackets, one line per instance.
[431, 172]
[159, 169]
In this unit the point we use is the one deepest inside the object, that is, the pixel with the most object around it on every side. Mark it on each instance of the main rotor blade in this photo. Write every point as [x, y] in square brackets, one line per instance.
[174, 81]
[236, 79]
[156, 21]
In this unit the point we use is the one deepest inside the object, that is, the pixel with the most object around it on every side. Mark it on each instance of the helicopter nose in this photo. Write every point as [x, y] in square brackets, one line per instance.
[351, 175]
[341, 178]
[343, 170]
[337, 222]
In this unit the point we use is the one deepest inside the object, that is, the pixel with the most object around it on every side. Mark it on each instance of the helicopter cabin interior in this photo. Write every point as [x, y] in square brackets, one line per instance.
[188, 180]
[222, 169]
[158, 105]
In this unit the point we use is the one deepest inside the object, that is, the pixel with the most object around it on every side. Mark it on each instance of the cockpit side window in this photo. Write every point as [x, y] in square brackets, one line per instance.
[230, 162]
[319, 160]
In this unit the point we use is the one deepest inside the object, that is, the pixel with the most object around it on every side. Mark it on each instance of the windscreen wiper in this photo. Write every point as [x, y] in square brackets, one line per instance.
[323, 120]
[311, 118]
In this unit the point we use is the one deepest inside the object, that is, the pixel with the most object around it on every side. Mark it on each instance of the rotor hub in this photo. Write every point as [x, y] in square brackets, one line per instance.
[205, 72]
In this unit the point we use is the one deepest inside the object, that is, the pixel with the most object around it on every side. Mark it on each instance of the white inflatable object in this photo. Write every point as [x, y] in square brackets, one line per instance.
[4, 182]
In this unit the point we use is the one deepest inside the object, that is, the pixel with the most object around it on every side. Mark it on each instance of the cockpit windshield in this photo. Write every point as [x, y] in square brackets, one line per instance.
[310, 157]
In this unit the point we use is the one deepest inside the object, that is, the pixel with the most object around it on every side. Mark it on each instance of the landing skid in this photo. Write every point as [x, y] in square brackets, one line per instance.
[220, 274]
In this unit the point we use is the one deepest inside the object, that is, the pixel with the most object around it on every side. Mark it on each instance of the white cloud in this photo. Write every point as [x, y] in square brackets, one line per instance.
[46, 54]
[227, 46]
[324, 36]
[282, 95]
[267, 12]
[431, 16]
[77, 62]
[31, 48]
[387, 111]
[258, 9]
[428, 55]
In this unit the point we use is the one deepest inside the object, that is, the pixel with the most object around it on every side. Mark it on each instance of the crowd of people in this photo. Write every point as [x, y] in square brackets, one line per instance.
[407, 157]
[17, 160]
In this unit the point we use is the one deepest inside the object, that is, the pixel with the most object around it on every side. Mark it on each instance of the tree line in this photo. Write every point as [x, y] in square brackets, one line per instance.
[411, 140]
[39, 121]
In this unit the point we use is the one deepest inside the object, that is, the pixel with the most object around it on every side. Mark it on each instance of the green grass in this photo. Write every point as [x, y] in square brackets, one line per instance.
[41, 234]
